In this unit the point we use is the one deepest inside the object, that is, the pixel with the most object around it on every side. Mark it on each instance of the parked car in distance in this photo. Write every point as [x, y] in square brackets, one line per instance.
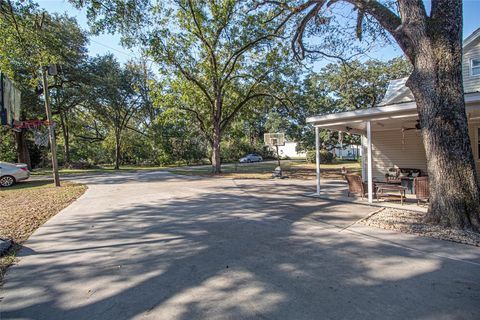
[10, 173]
[252, 157]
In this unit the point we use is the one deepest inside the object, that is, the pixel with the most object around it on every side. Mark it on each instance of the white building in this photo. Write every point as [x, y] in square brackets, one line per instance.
[350, 152]
[289, 150]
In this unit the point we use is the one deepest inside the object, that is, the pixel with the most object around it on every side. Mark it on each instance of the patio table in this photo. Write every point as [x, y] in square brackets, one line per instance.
[384, 192]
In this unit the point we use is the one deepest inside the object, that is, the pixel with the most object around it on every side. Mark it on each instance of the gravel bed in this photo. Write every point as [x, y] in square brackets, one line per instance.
[412, 222]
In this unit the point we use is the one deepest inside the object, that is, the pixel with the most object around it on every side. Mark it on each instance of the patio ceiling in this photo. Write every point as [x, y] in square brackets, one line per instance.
[382, 118]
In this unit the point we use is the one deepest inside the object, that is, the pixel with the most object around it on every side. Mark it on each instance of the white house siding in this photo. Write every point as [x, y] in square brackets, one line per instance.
[388, 151]
[471, 83]
[290, 150]
[473, 128]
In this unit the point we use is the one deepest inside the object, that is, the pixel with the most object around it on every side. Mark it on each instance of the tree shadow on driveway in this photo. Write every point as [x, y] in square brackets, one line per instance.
[225, 254]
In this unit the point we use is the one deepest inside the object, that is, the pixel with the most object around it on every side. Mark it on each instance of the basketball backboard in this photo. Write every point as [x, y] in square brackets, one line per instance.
[274, 139]
[10, 98]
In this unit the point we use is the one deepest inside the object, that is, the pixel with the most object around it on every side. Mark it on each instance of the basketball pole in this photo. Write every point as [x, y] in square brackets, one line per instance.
[278, 156]
[51, 130]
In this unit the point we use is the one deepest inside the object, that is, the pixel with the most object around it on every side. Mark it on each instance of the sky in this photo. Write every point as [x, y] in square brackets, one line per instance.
[110, 43]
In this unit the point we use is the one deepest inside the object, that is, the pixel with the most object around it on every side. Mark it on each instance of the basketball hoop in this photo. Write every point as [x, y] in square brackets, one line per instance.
[32, 124]
[274, 140]
[40, 136]
[38, 127]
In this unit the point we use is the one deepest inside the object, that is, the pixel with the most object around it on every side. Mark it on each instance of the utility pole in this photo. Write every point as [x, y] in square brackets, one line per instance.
[51, 129]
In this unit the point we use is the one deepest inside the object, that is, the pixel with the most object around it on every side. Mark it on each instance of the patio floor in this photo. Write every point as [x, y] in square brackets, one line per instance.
[336, 190]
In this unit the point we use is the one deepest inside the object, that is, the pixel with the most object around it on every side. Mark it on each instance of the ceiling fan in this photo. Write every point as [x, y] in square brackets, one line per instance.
[416, 126]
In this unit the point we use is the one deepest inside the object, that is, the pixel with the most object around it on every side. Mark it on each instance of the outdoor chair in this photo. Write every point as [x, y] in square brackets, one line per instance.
[392, 175]
[356, 185]
[398, 175]
[422, 191]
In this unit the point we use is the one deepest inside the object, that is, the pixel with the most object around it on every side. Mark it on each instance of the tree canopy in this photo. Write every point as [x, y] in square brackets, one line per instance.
[206, 66]
[216, 56]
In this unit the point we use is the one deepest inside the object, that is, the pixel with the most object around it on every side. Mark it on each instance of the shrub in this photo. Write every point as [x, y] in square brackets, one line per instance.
[7, 146]
[267, 153]
[81, 165]
[325, 156]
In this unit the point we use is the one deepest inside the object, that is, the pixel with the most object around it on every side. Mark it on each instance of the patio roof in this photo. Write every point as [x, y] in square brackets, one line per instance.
[397, 92]
[387, 117]
[471, 38]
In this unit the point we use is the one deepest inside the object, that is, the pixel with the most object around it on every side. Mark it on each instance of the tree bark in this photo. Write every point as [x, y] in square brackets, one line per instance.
[216, 162]
[433, 44]
[23, 155]
[437, 85]
[454, 192]
[117, 150]
[217, 130]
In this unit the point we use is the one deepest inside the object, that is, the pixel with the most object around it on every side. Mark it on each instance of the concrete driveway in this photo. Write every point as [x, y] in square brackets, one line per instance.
[153, 245]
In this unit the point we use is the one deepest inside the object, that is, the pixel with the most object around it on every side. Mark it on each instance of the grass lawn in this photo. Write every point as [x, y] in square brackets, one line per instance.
[28, 205]
[102, 169]
[263, 170]
[295, 169]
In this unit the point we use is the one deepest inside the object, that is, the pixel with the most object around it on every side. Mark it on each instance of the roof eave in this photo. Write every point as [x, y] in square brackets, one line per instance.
[398, 109]
[403, 108]
[471, 38]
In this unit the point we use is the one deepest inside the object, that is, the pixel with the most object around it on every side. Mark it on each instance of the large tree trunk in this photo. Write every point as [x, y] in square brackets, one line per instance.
[216, 162]
[23, 155]
[117, 150]
[454, 192]
[437, 85]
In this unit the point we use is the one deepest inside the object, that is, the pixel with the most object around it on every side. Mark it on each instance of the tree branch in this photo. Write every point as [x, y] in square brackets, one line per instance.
[186, 74]
[232, 60]
[299, 33]
[239, 106]
[202, 38]
[137, 131]
[387, 19]
[200, 121]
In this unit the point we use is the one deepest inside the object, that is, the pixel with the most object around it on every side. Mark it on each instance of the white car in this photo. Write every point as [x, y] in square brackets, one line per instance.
[252, 157]
[11, 173]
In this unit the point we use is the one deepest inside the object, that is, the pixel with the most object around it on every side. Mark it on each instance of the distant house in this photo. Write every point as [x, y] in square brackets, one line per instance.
[350, 152]
[289, 150]
[391, 127]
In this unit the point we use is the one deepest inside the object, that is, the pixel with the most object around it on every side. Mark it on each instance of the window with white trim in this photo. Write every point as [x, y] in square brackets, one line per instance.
[475, 67]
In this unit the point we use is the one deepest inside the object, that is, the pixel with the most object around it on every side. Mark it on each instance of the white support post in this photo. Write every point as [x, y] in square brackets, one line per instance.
[340, 140]
[364, 153]
[369, 162]
[317, 158]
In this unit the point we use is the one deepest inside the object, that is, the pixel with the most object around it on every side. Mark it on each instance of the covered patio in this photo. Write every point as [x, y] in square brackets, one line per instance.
[390, 140]
[336, 190]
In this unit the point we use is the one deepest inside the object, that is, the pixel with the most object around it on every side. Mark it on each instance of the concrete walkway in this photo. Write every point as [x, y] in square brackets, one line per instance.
[153, 245]
[336, 190]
